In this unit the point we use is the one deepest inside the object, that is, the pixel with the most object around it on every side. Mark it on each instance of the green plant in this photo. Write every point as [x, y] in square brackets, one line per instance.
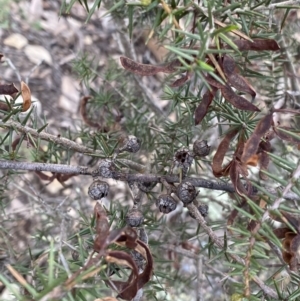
[215, 48]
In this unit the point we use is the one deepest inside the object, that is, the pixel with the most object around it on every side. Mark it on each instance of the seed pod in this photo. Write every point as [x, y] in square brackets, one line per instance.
[203, 210]
[75, 255]
[105, 169]
[134, 218]
[186, 192]
[183, 158]
[146, 186]
[98, 190]
[201, 148]
[165, 203]
[131, 144]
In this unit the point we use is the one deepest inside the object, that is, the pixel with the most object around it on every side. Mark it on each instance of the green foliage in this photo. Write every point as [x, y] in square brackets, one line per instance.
[121, 104]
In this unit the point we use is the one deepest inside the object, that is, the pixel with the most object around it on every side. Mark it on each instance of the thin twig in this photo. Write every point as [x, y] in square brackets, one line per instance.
[169, 12]
[51, 138]
[220, 244]
[13, 67]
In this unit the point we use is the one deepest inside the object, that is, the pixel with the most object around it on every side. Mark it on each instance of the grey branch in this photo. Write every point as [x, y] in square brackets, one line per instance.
[82, 170]
[128, 177]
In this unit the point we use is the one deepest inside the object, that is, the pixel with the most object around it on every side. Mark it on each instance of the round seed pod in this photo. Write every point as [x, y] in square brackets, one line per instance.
[131, 144]
[134, 218]
[201, 148]
[98, 190]
[186, 192]
[203, 210]
[105, 169]
[165, 203]
[75, 255]
[183, 158]
[146, 186]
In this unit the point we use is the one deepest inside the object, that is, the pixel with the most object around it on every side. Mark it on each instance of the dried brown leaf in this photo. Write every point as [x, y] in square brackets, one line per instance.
[213, 83]
[146, 69]
[234, 79]
[45, 177]
[26, 95]
[295, 244]
[264, 162]
[253, 142]
[235, 212]
[280, 232]
[252, 161]
[235, 171]
[221, 151]
[8, 89]
[202, 108]
[287, 256]
[180, 81]
[263, 159]
[61, 178]
[102, 228]
[127, 289]
[128, 238]
[257, 45]
[237, 101]
[292, 220]
[146, 275]
[4, 107]
[240, 145]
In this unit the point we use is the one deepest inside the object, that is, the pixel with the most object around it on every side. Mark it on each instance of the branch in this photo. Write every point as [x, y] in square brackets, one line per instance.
[82, 170]
[69, 144]
[127, 177]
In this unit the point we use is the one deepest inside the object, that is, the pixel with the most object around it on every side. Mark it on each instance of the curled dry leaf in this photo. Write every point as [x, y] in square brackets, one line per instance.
[213, 82]
[26, 95]
[234, 79]
[147, 69]
[221, 151]
[84, 114]
[251, 146]
[291, 240]
[102, 228]
[4, 107]
[8, 89]
[204, 104]
[180, 81]
[234, 212]
[235, 178]
[127, 289]
[126, 237]
[263, 158]
[257, 45]
[237, 101]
